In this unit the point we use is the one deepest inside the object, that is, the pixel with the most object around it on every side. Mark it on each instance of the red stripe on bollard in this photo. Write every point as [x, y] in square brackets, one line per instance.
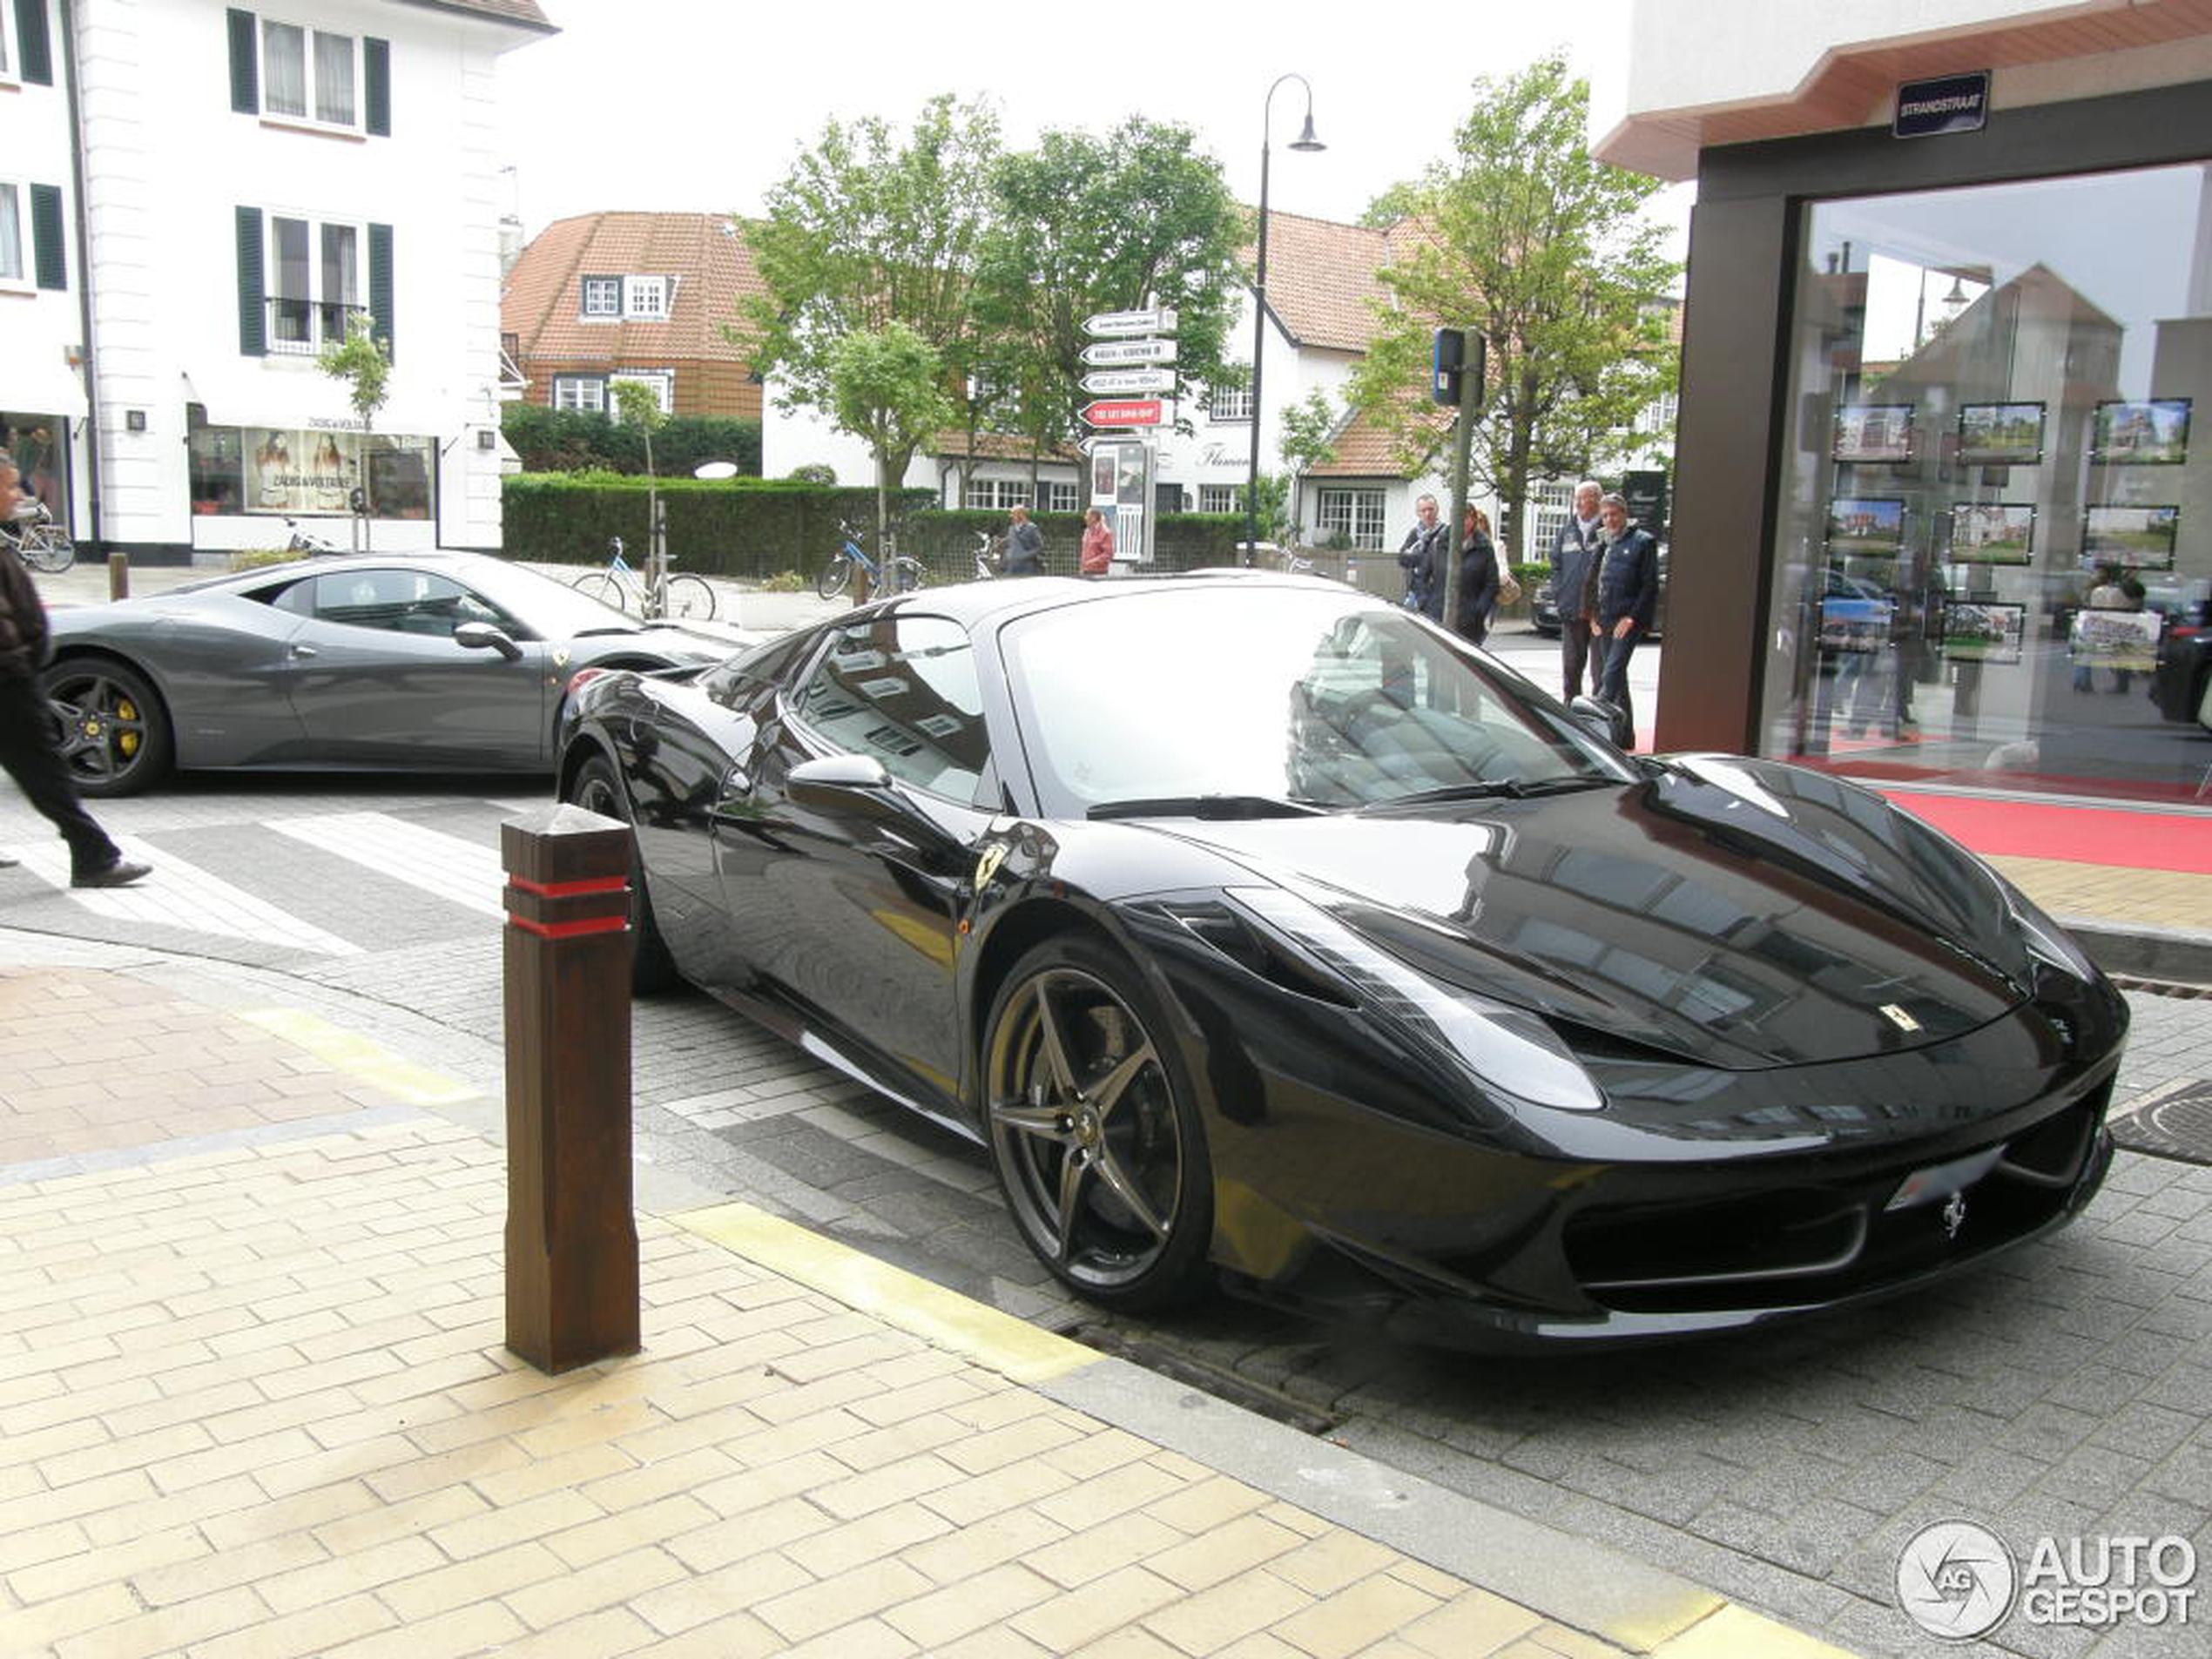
[569, 889]
[570, 929]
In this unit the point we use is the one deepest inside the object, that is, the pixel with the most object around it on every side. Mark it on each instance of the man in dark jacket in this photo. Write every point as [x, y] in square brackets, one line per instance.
[1421, 555]
[1627, 602]
[27, 751]
[1024, 544]
[1575, 552]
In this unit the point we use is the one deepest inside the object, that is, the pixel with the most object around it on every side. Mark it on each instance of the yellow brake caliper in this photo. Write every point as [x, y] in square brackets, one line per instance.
[126, 740]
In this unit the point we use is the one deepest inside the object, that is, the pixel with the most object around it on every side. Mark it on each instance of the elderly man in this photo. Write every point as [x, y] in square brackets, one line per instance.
[1626, 584]
[27, 752]
[1024, 544]
[1575, 553]
[1422, 554]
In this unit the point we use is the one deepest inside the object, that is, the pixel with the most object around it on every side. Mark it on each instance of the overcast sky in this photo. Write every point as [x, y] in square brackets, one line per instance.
[702, 104]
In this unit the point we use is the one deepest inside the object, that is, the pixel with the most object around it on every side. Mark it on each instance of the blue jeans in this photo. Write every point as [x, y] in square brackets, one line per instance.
[1613, 677]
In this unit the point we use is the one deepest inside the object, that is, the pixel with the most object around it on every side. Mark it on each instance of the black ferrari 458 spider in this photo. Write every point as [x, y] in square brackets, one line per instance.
[1264, 932]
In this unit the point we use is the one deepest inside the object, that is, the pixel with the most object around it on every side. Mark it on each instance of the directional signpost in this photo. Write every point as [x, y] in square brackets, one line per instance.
[1129, 349]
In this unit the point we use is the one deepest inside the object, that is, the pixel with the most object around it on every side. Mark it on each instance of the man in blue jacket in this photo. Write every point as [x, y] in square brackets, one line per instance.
[1627, 582]
[1574, 565]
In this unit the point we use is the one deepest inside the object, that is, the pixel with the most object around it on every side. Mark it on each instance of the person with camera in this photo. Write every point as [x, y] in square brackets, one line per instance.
[28, 752]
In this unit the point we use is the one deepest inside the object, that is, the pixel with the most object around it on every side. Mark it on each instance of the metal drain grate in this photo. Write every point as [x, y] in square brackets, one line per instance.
[2160, 986]
[1203, 1375]
[2177, 1125]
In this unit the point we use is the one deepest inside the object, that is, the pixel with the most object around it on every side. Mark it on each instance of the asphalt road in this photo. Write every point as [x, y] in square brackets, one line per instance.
[2065, 1390]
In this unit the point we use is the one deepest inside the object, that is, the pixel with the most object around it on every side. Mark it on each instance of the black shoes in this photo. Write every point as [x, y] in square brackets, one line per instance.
[121, 874]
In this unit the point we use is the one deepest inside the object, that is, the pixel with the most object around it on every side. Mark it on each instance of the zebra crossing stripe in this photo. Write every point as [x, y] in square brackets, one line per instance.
[462, 871]
[180, 895]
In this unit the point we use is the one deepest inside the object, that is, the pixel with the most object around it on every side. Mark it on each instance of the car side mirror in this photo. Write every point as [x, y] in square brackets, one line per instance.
[857, 788]
[1602, 720]
[483, 636]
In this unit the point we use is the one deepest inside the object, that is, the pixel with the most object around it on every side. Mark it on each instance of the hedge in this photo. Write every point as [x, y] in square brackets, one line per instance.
[750, 529]
[573, 440]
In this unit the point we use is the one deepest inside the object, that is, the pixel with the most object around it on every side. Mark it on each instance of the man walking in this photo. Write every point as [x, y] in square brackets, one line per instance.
[1628, 603]
[1024, 544]
[27, 754]
[1422, 554]
[1574, 556]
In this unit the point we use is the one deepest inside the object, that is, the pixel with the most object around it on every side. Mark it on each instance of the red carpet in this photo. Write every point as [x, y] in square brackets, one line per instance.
[2082, 834]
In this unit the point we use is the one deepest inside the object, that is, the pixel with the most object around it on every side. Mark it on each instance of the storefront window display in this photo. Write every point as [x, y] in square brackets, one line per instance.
[1993, 553]
[309, 474]
[35, 443]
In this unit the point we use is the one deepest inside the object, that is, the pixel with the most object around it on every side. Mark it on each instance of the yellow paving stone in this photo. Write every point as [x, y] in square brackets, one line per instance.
[687, 1603]
[479, 1579]
[92, 1567]
[1133, 1642]
[997, 1642]
[345, 1575]
[617, 1534]
[338, 1371]
[167, 1629]
[1015, 1443]
[869, 1537]
[596, 1635]
[479, 1535]
[1210, 1503]
[1015, 1534]
[635, 1484]
[1107, 1548]
[931, 1395]
[1353, 1618]
[25, 1413]
[193, 1467]
[804, 1399]
[1261, 1645]
[401, 1520]
[1002, 1489]
[773, 1441]
[724, 1425]
[985, 1598]
[1230, 1611]
[348, 1462]
[484, 1625]
[1569, 1643]
[882, 1445]
[863, 1639]
[769, 1484]
[591, 1427]
[1336, 1559]
[413, 1380]
[518, 1383]
[570, 1595]
[894, 1483]
[414, 1417]
[523, 1476]
[126, 1520]
[856, 1353]
[1075, 1617]
[87, 1498]
[1422, 1576]
[58, 1440]
[1472, 1623]
[1008, 1406]
[1097, 1452]
[474, 1463]
[771, 1527]
[736, 1635]
[182, 1580]
[272, 1518]
[855, 1594]
[1114, 1493]
[27, 1631]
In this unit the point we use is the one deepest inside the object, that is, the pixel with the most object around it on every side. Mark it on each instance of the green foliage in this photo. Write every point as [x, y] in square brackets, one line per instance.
[252, 559]
[1309, 432]
[361, 362]
[573, 441]
[887, 386]
[812, 472]
[785, 581]
[1546, 253]
[636, 404]
[1086, 225]
[1276, 523]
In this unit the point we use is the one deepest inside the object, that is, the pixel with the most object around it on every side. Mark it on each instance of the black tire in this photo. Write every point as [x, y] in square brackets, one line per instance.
[1093, 1125]
[596, 788]
[833, 577]
[115, 735]
[601, 585]
[691, 598]
[49, 550]
[906, 575]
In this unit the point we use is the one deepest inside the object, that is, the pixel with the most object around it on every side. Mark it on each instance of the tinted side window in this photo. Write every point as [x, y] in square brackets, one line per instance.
[407, 602]
[904, 689]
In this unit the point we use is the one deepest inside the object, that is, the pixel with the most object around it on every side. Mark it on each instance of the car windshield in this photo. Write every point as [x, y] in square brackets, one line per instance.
[1220, 700]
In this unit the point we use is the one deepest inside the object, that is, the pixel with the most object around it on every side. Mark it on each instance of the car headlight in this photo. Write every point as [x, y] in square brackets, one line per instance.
[1510, 1050]
[2046, 941]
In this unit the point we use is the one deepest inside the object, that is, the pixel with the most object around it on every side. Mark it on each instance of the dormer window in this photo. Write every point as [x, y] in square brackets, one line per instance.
[635, 299]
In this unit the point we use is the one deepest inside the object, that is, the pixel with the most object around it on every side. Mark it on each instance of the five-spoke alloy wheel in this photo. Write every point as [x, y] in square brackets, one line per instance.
[115, 737]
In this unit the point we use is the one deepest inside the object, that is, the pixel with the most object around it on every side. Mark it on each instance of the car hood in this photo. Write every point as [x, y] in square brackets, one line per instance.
[1738, 912]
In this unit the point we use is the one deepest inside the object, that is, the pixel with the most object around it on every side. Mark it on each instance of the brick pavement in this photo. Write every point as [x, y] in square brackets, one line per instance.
[253, 1402]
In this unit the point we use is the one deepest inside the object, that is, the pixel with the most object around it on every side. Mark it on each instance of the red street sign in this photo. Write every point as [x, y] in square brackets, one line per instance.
[1129, 411]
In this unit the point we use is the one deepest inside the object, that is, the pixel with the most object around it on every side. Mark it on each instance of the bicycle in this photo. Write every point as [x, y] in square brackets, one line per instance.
[311, 542]
[659, 596]
[40, 543]
[905, 573]
[990, 554]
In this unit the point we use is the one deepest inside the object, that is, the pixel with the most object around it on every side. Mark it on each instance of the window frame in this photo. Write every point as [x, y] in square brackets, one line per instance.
[263, 22]
[25, 281]
[584, 311]
[1354, 498]
[1228, 494]
[10, 49]
[316, 301]
[663, 380]
[604, 405]
[1062, 496]
[1002, 492]
[1230, 405]
[664, 286]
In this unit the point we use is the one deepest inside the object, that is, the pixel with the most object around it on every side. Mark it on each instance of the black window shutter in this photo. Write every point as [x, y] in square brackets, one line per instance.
[380, 285]
[37, 64]
[252, 305]
[376, 84]
[52, 255]
[245, 73]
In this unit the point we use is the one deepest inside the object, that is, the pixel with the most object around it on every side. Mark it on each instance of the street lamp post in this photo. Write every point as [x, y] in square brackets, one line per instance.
[1305, 140]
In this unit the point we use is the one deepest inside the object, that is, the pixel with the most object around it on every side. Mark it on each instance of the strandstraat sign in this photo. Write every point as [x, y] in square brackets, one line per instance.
[1954, 103]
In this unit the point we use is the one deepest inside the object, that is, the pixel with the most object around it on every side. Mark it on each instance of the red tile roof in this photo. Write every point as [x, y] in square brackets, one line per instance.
[1365, 450]
[706, 253]
[1321, 279]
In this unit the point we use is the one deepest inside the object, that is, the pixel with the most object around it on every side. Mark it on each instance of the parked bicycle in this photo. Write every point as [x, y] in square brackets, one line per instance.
[904, 576]
[40, 543]
[654, 594]
[990, 554]
[311, 542]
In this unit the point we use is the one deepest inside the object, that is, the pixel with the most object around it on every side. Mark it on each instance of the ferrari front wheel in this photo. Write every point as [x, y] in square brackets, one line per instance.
[1093, 1128]
[595, 789]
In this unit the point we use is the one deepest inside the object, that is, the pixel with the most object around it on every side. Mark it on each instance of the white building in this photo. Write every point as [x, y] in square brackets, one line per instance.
[193, 198]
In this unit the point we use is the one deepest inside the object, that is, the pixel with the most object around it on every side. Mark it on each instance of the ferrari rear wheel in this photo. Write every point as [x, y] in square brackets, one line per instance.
[652, 968]
[1093, 1128]
[115, 738]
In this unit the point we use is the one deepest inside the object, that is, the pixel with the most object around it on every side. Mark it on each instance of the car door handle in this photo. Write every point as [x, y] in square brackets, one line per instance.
[302, 650]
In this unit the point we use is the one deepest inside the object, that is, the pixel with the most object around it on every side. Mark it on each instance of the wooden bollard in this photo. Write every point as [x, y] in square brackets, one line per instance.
[571, 1237]
[118, 574]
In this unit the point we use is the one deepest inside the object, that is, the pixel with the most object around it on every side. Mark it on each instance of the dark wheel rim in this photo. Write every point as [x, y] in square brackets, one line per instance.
[106, 726]
[1083, 1121]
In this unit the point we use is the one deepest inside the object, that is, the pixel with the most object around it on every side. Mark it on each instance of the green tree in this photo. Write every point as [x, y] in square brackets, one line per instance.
[1086, 224]
[867, 229]
[887, 386]
[1525, 239]
[363, 365]
[637, 404]
[1309, 439]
